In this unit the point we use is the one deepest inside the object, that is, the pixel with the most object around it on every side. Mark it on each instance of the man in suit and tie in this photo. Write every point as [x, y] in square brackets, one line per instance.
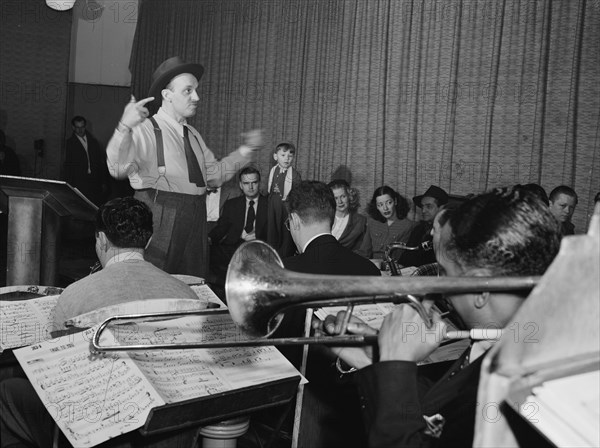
[85, 163]
[244, 218]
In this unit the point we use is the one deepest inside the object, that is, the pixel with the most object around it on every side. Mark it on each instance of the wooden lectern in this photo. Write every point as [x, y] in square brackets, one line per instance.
[556, 335]
[34, 208]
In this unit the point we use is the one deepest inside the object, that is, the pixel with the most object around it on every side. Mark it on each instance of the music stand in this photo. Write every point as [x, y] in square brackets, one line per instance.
[34, 208]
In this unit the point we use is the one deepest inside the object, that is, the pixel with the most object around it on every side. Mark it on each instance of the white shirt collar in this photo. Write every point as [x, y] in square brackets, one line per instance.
[170, 120]
[478, 348]
[313, 238]
[124, 256]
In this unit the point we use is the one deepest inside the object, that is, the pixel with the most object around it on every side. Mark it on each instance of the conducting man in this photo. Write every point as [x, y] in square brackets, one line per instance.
[169, 166]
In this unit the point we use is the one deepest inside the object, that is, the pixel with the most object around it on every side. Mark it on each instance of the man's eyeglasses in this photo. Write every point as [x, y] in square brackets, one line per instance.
[286, 223]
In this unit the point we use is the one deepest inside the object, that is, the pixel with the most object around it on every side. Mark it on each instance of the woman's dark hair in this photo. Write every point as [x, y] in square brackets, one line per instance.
[402, 206]
[353, 196]
[126, 222]
[508, 231]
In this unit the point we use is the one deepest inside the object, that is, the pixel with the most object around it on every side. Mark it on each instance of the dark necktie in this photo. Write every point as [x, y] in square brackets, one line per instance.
[194, 172]
[250, 218]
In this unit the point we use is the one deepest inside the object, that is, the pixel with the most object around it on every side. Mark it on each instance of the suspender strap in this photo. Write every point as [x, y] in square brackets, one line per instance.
[160, 150]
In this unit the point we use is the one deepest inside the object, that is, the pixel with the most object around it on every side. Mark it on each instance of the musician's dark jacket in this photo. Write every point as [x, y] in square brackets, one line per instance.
[330, 412]
[420, 234]
[394, 398]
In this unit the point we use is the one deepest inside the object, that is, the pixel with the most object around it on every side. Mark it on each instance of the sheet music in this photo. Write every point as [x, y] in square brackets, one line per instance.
[25, 322]
[185, 374]
[91, 398]
[206, 294]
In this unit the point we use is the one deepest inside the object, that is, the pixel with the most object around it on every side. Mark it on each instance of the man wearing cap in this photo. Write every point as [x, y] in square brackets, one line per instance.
[430, 203]
[170, 167]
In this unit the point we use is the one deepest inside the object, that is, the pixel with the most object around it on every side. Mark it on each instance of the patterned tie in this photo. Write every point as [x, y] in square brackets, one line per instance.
[250, 218]
[194, 172]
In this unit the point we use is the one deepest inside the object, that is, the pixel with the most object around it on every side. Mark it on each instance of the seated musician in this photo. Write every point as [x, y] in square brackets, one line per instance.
[430, 204]
[123, 229]
[328, 408]
[500, 233]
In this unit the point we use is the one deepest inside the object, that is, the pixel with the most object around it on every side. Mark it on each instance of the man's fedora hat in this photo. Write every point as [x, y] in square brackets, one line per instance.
[168, 70]
[433, 192]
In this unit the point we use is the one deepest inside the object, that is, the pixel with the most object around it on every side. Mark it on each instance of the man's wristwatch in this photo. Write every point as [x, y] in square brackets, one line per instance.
[340, 368]
[123, 128]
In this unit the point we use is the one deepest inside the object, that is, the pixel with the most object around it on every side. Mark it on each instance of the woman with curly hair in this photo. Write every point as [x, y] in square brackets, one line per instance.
[348, 225]
[386, 223]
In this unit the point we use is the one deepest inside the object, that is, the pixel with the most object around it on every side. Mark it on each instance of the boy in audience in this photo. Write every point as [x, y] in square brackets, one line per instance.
[281, 180]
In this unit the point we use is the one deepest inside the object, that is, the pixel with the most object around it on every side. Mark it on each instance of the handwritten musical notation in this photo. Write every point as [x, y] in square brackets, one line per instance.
[26, 322]
[94, 397]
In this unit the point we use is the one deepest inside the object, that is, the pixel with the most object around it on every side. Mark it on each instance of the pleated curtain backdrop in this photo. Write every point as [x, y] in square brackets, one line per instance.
[468, 95]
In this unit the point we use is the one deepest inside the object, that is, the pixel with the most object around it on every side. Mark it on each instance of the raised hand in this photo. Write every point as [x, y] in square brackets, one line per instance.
[135, 112]
[253, 139]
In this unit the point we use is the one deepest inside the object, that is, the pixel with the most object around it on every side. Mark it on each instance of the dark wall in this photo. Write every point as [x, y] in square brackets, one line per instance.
[34, 55]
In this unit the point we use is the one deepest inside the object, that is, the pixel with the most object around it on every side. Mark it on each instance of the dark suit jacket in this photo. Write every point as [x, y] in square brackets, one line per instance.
[325, 255]
[420, 257]
[94, 186]
[331, 411]
[232, 220]
[353, 234]
[394, 399]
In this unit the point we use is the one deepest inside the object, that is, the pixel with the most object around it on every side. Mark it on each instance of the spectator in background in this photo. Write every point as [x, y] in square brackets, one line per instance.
[281, 180]
[244, 218]
[9, 161]
[348, 225]
[387, 222]
[85, 163]
[563, 201]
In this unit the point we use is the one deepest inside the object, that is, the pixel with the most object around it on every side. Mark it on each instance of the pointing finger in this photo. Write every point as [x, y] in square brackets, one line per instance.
[132, 99]
[145, 100]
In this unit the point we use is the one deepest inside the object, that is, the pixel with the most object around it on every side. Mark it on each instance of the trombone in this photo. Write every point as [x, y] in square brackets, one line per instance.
[259, 291]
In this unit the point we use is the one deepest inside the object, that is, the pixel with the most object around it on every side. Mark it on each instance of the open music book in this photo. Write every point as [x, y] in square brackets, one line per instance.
[95, 397]
[26, 322]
